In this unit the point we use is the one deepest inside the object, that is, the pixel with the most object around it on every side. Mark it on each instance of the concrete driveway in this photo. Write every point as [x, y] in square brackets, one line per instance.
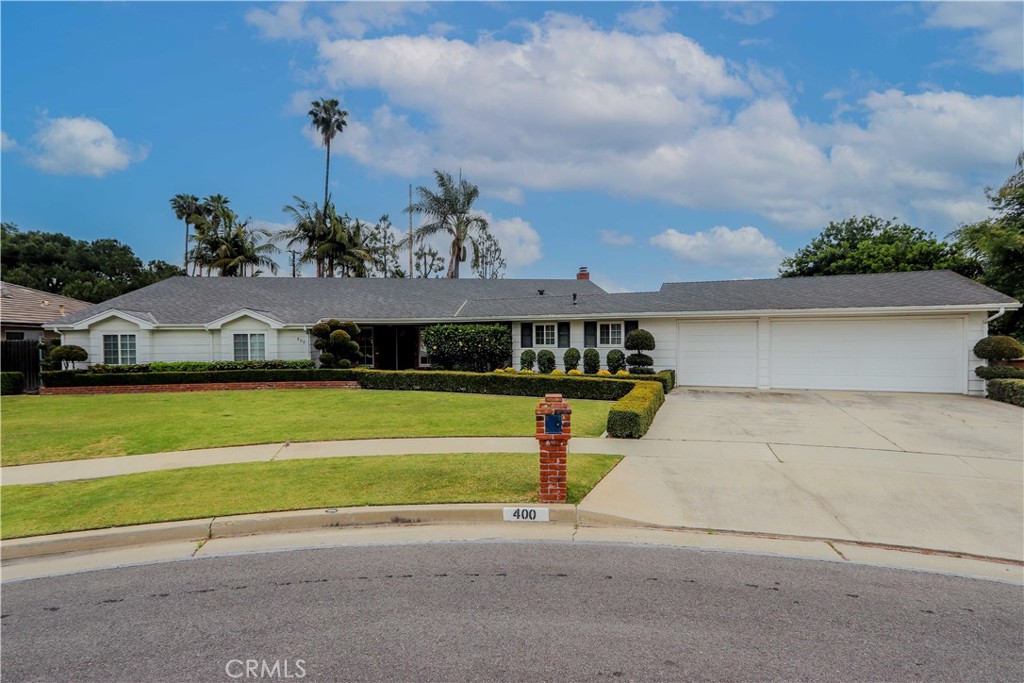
[932, 471]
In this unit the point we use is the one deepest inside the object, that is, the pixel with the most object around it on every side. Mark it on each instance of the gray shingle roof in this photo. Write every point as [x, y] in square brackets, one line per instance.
[184, 301]
[20, 304]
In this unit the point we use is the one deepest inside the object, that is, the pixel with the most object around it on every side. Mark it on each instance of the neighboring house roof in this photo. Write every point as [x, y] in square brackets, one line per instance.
[201, 301]
[27, 306]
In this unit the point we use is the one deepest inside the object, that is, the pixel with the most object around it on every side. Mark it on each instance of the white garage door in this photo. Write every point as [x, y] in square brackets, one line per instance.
[869, 355]
[718, 354]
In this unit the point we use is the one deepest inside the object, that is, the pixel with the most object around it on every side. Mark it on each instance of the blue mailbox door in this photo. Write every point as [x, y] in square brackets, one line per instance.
[552, 424]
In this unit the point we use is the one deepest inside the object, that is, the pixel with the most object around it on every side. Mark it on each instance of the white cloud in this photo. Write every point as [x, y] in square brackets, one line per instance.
[520, 243]
[7, 143]
[290, 21]
[748, 13]
[615, 239]
[573, 106]
[998, 27]
[300, 102]
[82, 146]
[646, 18]
[744, 250]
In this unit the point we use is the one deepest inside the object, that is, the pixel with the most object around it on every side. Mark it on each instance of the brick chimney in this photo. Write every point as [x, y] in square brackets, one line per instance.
[583, 274]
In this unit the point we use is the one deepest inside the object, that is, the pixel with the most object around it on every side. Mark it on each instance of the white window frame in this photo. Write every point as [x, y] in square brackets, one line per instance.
[248, 345]
[608, 327]
[540, 339]
[126, 350]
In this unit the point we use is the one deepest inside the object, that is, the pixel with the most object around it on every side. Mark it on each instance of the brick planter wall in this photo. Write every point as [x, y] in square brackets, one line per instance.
[220, 386]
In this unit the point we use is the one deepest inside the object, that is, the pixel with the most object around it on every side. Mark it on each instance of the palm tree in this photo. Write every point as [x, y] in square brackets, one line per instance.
[239, 248]
[186, 207]
[449, 211]
[342, 247]
[212, 213]
[329, 120]
[307, 231]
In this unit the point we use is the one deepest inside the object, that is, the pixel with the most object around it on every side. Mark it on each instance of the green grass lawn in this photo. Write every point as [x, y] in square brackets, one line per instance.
[52, 428]
[218, 490]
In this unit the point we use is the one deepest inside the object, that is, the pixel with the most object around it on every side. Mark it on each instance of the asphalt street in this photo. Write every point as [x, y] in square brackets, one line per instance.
[510, 611]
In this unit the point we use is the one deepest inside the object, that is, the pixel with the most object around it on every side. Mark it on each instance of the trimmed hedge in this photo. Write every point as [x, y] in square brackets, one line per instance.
[545, 361]
[591, 361]
[631, 416]
[637, 398]
[201, 366]
[999, 372]
[471, 348]
[12, 383]
[1007, 390]
[71, 378]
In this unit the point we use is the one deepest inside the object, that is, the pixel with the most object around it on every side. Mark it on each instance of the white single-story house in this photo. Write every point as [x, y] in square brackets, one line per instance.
[886, 332]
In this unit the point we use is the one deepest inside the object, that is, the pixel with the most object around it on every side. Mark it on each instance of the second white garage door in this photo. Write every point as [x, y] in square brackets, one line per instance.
[910, 354]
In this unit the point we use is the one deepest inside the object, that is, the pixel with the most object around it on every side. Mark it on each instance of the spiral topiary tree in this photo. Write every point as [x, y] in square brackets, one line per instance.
[639, 341]
[998, 349]
[336, 342]
[571, 359]
[591, 361]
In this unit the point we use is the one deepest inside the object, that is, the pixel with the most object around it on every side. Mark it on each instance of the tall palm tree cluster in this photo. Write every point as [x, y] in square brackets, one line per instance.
[220, 243]
[338, 245]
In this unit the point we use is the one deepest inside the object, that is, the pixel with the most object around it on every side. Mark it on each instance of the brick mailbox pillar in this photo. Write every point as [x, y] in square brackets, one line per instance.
[554, 429]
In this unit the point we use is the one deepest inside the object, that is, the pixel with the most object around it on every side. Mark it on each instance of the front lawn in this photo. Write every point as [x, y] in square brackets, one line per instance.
[218, 490]
[51, 428]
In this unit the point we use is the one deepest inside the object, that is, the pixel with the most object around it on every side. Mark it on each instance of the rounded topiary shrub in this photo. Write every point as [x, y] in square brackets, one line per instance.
[69, 355]
[545, 361]
[616, 360]
[591, 361]
[337, 341]
[571, 359]
[998, 348]
[527, 358]
[639, 362]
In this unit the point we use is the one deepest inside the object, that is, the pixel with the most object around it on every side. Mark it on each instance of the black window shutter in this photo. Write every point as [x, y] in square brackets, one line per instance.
[526, 330]
[590, 334]
[563, 335]
[629, 326]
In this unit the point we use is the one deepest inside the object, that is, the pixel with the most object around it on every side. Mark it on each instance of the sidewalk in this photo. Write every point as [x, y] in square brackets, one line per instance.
[928, 501]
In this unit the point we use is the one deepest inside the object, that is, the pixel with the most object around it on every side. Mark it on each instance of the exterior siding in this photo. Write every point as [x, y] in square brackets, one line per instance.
[976, 329]
[293, 344]
[663, 329]
[182, 345]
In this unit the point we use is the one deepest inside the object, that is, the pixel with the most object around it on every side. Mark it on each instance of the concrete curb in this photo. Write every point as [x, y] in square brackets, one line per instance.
[198, 530]
[201, 530]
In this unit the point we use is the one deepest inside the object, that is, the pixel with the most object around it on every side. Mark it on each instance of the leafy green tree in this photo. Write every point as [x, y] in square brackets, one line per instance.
[998, 244]
[329, 120]
[870, 244]
[488, 262]
[91, 271]
[427, 261]
[450, 211]
[382, 245]
[186, 208]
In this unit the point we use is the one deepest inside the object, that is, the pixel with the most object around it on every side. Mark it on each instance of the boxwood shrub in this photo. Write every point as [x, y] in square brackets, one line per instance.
[545, 361]
[630, 417]
[591, 361]
[571, 359]
[202, 366]
[1007, 390]
[12, 383]
[526, 359]
[616, 360]
[999, 372]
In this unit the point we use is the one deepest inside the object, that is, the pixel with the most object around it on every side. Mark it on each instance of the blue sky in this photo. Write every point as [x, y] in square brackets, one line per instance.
[649, 142]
